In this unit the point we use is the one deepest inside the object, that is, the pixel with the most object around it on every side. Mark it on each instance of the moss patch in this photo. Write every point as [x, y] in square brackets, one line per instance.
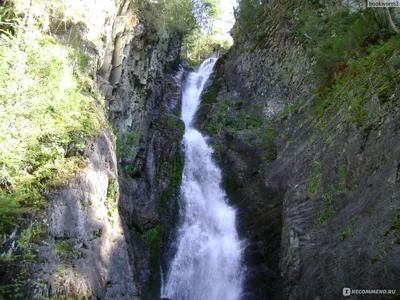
[111, 201]
[347, 233]
[127, 143]
[327, 213]
[315, 182]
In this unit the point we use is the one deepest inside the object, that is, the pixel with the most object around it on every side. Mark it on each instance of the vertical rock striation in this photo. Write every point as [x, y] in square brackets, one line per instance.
[317, 195]
[103, 231]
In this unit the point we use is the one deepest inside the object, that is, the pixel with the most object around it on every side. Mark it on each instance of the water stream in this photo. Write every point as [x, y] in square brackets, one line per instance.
[208, 261]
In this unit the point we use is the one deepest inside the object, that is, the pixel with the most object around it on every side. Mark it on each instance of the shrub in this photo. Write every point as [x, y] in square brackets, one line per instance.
[250, 18]
[348, 232]
[45, 111]
[111, 201]
[126, 143]
[175, 17]
[151, 235]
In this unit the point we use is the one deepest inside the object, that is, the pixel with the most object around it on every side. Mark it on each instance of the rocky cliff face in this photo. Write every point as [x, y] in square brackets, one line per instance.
[318, 195]
[147, 103]
[144, 107]
[84, 229]
[103, 231]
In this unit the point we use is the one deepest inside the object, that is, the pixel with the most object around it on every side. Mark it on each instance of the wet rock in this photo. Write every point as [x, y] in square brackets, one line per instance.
[320, 215]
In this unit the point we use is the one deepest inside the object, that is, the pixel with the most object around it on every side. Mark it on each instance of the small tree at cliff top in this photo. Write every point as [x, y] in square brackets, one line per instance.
[177, 17]
[180, 16]
[199, 43]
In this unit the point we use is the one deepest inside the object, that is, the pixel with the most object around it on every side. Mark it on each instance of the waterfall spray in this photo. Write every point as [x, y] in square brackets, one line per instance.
[208, 261]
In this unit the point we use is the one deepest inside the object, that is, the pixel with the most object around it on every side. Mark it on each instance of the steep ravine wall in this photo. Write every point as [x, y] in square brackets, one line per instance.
[102, 233]
[318, 196]
[144, 108]
[146, 103]
[75, 247]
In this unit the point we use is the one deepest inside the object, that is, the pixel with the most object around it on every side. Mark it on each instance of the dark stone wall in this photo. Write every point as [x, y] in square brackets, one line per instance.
[318, 202]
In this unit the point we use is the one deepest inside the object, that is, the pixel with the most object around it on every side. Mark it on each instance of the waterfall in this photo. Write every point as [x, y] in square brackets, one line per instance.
[208, 261]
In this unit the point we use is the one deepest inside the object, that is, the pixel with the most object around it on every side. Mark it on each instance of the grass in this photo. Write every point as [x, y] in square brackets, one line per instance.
[366, 75]
[315, 182]
[32, 234]
[152, 238]
[111, 202]
[327, 213]
[46, 113]
[347, 233]
[290, 109]
[268, 143]
[64, 249]
[354, 54]
[127, 143]
[342, 171]
[62, 246]
[396, 224]
[226, 117]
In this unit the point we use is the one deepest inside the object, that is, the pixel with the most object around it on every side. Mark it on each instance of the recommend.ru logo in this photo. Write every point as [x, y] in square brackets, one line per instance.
[346, 292]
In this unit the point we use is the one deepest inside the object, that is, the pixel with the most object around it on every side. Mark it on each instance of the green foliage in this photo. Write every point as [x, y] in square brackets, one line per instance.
[354, 55]
[152, 235]
[127, 143]
[189, 19]
[173, 169]
[396, 224]
[251, 13]
[227, 118]
[64, 249]
[327, 213]
[332, 52]
[31, 234]
[176, 173]
[290, 109]
[180, 18]
[268, 143]
[152, 238]
[62, 246]
[175, 17]
[111, 201]
[198, 46]
[181, 126]
[127, 147]
[206, 12]
[45, 111]
[345, 234]
[15, 289]
[315, 182]
[173, 122]
[342, 176]
[368, 73]
[126, 170]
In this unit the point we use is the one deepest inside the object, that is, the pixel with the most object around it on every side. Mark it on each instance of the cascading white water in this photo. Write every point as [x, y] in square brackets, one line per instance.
[207, 264]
